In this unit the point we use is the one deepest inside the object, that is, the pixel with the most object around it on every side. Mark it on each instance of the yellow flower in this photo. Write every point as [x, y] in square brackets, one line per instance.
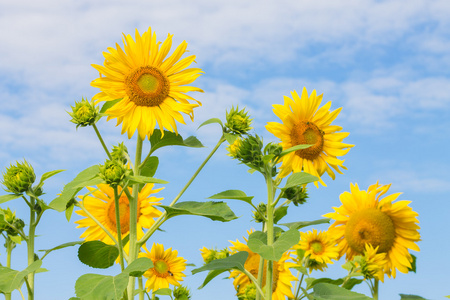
[101, 205]
[167, 267]
[372, 263]
[282, 276]
[366, 218]
[152, 88]
[319, 249]
[233, 148]
[303, 122]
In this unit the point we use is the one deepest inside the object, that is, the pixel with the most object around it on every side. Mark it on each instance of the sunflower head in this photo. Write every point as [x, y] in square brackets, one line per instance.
[238, 121]
[84, 113]
[365, 218]
[304, 123]
[149, 85]
[18, 178]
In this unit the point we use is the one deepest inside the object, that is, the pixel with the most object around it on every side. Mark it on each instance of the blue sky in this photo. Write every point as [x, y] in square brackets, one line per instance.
[385, 62]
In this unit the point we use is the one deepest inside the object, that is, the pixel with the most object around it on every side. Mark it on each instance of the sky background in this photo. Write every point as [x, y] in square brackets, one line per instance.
[385, 62]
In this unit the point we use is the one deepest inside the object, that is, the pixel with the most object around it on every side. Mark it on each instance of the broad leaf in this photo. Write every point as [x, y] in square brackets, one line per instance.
[349, 284]
[144, 180]
[412, 297]
[11, 279]
[235, 261]
[216, 211]
[233, 195]
[138, 267]
[164, 292]
[101, 287]
[299, 178]
[257, 242]
[65, 245]
[84, 178]
[150, 166]
[299, 225]
[325, 291]
[108, 104]
[97, 254]
[211, 121]
[295, 148]
[279, 214]
[8, 197]
[171, 139]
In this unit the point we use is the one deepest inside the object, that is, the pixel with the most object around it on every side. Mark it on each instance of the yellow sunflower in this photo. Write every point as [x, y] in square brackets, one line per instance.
[303, 122]
[101, 205]
[366, 218]
[319, 249]
[372, 263]
[282, 276]
[151, 86]
[167, 267]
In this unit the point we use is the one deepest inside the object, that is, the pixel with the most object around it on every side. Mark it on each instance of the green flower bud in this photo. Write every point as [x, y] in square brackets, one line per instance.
[181, 293]
[233, 148]
[249, 151]
[238, 122]
[296, 194]
[224, 253]
[84, 113]
[258, 215]
[273, 148]
[113, 172]
[9, 222]
[19, 178]
[118, 153]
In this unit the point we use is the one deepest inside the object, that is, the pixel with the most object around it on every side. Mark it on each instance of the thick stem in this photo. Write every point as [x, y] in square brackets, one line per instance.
[119, 228]
[141, 287]
[270, 232]
[161, 218]
[133, 217]
[9, 246]
[30, 247]
[101, 141]
[375, 289]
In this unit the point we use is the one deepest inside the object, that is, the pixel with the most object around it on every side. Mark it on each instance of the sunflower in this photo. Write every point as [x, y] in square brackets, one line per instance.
[303, 122]
[101, 205]
[167, 267]
[318, 249]
[372, 263]
[366, 218]
[152, 88]
[282, 276]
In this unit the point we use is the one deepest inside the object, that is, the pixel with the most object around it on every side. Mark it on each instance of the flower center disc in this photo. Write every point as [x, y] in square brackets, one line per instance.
[161, 268]
[317, 247]
[147, 86]
[370, 226]
[307, 133]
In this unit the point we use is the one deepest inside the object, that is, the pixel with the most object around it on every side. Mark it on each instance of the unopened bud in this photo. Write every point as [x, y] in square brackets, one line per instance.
[113, 172]
[84, 113]
[238, 122]
[18, 178]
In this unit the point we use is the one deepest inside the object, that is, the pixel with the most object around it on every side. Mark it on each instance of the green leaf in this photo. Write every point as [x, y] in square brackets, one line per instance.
[101, 287]
[97, 254]
[299, 225]
[69, 211]
[280, 213]
[211, 275]
[231, 138]
[216, 211]
[65, 245]
[8, 197]
[257, 242]
[11, 279]
[84, 178]
[211, 121]
[233, 195]
[138, 267]
[323, 291]
[295, 148]
[413, 264]
[108, 104]
[235, 261]
[164, 292]
[412, 297]
[299, 178]
[171, 139]
[150, 166]
[46, 176]
[349, 284]
[145, 179]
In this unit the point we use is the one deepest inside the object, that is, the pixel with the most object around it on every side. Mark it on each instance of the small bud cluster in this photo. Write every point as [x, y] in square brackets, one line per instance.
[250, 151]
[18, 178]
[248, 293]
[84, 113]
[9, 222]
[181, 293]
[113, 172]
[238, 122]
[296, 194]
[260, 214]
[212, 254]
[120, 153]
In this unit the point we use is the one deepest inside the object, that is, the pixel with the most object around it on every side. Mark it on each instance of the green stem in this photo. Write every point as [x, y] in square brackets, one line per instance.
[133, 217]
[254, 280]
[101, 141]
[21, 294]
[375, 289]
[9, 244]
[270, 232]
[299, 285]
[261, 268]
[119, 228]
[30, 247]
[161, 218]
[141, 287]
